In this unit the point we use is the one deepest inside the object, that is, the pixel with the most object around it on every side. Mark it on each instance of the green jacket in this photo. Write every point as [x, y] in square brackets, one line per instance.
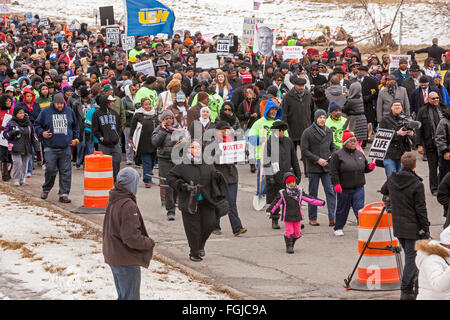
[134, 53]
[338, 128]
[44, 102]
[145, 92]
[214, 105]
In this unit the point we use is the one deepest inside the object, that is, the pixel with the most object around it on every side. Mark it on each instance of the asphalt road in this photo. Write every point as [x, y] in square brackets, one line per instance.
[256, 263]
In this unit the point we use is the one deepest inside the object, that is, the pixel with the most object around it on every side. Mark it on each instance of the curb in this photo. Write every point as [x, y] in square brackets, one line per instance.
[233, 293]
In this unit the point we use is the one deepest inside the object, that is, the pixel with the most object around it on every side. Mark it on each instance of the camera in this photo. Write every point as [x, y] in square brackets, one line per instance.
[408, 124]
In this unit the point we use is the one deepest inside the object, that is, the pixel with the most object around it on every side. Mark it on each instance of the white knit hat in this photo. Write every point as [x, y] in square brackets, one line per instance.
[445, 236]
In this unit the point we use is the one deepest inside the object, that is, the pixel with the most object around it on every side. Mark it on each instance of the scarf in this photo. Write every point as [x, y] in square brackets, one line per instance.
[294, 192]
[204, 121]
[392, 90]
[25, 122]
[321, 131]
[173, 127]
[230, 118]
[146, 113]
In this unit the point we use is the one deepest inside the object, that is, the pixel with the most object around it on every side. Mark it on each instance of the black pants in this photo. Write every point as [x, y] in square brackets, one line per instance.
[298, 144]
[433, 158]
[410, 271]
[272, 190]
[444, 167]
[198, 226]
[169, 194]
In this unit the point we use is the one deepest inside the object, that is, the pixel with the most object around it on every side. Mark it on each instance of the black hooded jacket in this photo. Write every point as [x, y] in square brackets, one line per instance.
[106, 124]
[407, 199]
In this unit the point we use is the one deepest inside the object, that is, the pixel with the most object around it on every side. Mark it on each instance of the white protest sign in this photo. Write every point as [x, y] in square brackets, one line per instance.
[128, 43]
[137, 136]
[381, 143]
[395, 59]
[207, 61]
[44, 22]
[113, 36]
[146, 67]
[223, 46]
[208, 37]
[3, 141]
[5, 6]
[248, 33]
[232, 152]
[293, 52]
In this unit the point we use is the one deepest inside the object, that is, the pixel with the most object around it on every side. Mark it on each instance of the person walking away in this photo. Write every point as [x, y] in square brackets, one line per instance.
[317, 148]
[20, 135]
[128, 104]
[106, 127]
[443, 143]
[81, 107]
[348, 167]
[5, 155]
[354, 109]
[409, 217]
[281, 158]
[290, 199]
[336, 122]
[147, 117]
[433, 262]
[429, 117]
[126, 244]
[57, 127]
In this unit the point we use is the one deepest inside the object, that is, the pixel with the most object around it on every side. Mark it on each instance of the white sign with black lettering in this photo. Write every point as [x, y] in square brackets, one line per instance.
[113, 36]
[146, 67]
[380, 144]
[223, 46]
[44, 22]
[59, 123]
[207, 61]
[128, 43]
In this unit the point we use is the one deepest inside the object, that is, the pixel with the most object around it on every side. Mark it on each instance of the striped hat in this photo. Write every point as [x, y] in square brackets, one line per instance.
[347, 136]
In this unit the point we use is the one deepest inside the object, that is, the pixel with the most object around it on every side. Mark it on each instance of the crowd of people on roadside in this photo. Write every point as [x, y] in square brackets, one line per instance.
[65, 93]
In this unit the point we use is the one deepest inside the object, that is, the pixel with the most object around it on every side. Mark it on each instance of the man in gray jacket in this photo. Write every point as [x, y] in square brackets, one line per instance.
[388, 94]
[335, 92]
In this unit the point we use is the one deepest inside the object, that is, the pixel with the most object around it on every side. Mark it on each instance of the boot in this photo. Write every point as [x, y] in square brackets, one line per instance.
[252, 168]
[6, 176]
[293, 241]
[289, 244]
[275, 224]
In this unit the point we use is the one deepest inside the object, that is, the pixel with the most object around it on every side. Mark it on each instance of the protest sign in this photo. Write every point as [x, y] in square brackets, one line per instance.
[207, 61]
[3, 141]
[232, 152]
[113, 36]
[106, 15]
[293, 52]
[44, 22]
[128, 43]
[223, 46]
[146, 67]
[264, 41]
[381, 143]
[248, 34]
[395, 59]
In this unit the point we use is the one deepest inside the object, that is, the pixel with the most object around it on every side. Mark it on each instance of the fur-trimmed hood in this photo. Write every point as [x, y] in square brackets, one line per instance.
[431, 247]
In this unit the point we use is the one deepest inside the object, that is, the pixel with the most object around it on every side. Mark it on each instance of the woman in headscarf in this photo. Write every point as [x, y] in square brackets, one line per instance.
[199, 127]
[128, 104]
[354, 109]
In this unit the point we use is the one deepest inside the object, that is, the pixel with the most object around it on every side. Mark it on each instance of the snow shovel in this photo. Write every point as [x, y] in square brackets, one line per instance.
[259, 201]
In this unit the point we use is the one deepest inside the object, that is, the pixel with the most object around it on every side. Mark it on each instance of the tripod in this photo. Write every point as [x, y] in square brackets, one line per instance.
[391, 247]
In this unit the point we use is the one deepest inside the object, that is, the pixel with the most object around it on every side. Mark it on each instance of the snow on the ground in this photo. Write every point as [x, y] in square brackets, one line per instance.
[422, 20]
[45, 255]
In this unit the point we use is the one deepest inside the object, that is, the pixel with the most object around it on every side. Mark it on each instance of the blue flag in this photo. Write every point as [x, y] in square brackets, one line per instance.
[148, 17]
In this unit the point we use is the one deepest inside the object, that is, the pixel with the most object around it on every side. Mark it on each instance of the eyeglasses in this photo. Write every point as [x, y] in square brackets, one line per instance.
[437, 98]
[226, 109]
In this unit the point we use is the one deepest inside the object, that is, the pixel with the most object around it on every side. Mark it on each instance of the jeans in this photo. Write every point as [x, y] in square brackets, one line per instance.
[58, 161]
[84, 148]
[263, 186]
[410, 271]
[165, 165]
[314, 179]
[116, 153]
[348, 198]
[233, 215]
[148, 162]
[392, 165]
[127, 280]
[31, 161]
[129, 153]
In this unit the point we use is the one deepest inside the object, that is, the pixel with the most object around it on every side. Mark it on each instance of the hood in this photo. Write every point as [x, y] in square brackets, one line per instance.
[335, 90]
[119, 192]
[128, 178]
[103, 102]
[404, 179]
[28, 90]
[427, 248]
[270, 104]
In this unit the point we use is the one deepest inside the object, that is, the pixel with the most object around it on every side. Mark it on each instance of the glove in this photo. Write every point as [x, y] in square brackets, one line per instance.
[338, 188]
[372, 166]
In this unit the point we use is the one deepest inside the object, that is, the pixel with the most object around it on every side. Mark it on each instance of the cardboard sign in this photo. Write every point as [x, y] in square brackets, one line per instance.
[223, 46]
[113, 36]
[128, 43]
[293, 52]
[232, 152]
[106, 15]
[395, 59]
[248, 33]
[207, 61]
[146, 67]
[380, 144]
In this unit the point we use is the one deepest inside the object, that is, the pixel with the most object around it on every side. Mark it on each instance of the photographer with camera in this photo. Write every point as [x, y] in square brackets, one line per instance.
[409, 216]
[400, 142]
[429, 116]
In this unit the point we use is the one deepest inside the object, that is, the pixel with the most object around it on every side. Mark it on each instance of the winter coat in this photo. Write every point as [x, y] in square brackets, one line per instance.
[368, 84]
[33, 109]
[129, 110]
[63, 126]
[215, 104]
[149, 122]
[232, 120]
[314, 147]
[443, 196]
[357, 122]
[443, 133]
[399, 145]
[245, 110]
[287, 161]
[162, 140]
[106, 124]
[81, 108]
[348, 168]
[298, 112]
[416, 99]
[384, 102]
[125, 238]
[410, 86]
[407, 198]
[433, 262]
[434, 52]
[337, 127]
[426, 134]
[335, 94]
[22, 140]
[399, 76]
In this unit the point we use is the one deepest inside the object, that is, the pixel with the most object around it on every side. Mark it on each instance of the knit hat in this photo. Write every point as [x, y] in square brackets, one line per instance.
[334, 106]
[107, 87]
[247, 78]
[67, 88]
[59, 98]
[347, 136]
[16, 110]
[220, 125]
[290, 179]
[150, 80]
[318, 113]
[164, 114]
[279, 125]
[129, 179]
[445, 236]
[284, 65]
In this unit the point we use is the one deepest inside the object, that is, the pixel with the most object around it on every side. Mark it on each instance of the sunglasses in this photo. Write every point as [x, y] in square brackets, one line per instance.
[227, 109]
[434, 98]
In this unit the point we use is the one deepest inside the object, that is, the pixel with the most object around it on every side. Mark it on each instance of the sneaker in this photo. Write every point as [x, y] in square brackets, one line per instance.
[16, 183]
[28, 175]
[77, 166]
[64, 199]
[217, 232]
[148, 185]
[170, 216]
[252, 168]
[24, 183]
[243, 230]
[338, 233]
